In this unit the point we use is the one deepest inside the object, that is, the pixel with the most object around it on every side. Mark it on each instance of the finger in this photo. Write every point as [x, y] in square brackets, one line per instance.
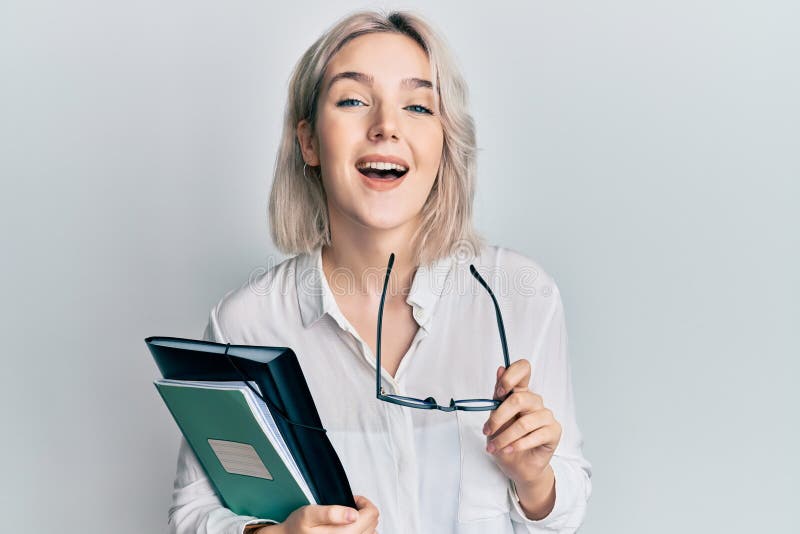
[518, 374]
[368, 520]
[542, 436]
[526, 424]
[366, 508]
[369, 529]
[330, 515]
[361, 502]
[519, 402]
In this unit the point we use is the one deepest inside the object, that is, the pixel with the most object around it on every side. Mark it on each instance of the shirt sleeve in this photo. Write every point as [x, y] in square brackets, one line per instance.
[551, 378]
[196, 507]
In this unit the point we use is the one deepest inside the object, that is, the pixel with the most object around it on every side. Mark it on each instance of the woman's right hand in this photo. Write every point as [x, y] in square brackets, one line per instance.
[319, 519]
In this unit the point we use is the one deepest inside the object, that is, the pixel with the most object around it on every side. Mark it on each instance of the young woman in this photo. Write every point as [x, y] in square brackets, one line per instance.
[376, 170]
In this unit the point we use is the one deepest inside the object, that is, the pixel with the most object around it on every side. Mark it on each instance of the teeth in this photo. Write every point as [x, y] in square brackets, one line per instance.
[381, 166]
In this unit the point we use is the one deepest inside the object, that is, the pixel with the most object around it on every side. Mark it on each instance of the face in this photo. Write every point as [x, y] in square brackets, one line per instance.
[375, 114]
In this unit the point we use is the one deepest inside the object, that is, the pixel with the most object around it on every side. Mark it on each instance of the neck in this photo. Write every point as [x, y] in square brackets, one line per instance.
[358, 260]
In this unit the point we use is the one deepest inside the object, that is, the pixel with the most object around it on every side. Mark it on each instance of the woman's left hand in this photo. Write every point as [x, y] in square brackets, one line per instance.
[521, 424]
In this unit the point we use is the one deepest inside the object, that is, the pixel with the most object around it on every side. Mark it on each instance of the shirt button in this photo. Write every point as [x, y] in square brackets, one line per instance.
[419, 314]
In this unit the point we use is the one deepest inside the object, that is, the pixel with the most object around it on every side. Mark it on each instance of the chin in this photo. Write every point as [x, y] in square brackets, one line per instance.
[387, 222]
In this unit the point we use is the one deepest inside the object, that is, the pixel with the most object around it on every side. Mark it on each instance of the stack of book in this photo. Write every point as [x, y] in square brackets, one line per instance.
[248, 415]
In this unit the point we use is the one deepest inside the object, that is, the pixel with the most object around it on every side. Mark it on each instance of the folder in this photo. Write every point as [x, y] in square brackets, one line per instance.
[282, 387]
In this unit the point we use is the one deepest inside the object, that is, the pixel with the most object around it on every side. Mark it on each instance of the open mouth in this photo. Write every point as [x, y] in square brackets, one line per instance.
[378, 174]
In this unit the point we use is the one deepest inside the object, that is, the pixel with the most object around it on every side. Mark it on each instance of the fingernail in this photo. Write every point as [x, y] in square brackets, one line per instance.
[490, 448]
[352, 515]
[500, 391]
[486, 429]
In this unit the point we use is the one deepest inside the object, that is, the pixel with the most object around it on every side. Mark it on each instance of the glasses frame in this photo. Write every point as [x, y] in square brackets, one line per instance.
[430, 403]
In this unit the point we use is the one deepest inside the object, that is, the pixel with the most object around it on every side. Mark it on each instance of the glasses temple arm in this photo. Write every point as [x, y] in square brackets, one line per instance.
[497, 312]
[380, 324]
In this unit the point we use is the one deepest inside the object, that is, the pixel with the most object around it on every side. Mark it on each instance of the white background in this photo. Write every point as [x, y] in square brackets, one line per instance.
[645, 153]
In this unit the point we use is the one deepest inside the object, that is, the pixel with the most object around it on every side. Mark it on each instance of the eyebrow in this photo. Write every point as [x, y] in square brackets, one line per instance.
[366, 79]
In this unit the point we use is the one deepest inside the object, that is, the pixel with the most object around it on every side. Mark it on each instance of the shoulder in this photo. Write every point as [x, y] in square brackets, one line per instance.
[268, 291]
[524, 289]
[514, 271]
[527, 294]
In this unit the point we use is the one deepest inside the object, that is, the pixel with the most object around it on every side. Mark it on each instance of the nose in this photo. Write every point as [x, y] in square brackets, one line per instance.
[384, 124]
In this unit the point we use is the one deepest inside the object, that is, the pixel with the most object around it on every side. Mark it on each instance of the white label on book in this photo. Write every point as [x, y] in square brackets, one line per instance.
[239, 458]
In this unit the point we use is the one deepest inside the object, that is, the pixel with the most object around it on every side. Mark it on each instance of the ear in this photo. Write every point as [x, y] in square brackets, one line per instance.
[308, 144]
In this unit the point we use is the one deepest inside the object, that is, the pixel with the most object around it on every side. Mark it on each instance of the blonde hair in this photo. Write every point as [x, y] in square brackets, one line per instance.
[298, 211]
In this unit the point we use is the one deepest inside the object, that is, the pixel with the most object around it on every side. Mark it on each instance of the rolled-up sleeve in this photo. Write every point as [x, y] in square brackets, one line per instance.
[196, 507]
[552, 379]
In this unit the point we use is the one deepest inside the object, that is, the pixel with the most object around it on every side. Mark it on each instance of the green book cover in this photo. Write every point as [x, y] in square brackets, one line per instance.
[236, 440]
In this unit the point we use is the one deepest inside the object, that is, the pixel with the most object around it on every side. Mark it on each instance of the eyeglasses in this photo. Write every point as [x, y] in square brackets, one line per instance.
[430, 403]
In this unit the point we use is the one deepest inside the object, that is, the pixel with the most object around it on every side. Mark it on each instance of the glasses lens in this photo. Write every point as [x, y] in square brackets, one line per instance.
[412, 400]
[477, 404]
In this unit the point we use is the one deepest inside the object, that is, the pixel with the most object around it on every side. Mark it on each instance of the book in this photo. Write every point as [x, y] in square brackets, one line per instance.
[281, 394]
[237, 441]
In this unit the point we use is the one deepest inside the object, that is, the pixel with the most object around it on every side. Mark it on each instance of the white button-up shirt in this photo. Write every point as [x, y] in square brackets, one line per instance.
[427, 471]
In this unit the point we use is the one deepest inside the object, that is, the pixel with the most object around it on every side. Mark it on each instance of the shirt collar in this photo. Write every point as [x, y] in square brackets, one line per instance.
[316, 299]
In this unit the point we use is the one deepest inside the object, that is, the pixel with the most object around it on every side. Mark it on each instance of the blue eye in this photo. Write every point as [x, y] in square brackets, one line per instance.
[426, 110]
[347, 100]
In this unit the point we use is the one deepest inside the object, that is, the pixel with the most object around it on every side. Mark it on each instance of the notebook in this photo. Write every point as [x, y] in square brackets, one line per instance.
[235, 438]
